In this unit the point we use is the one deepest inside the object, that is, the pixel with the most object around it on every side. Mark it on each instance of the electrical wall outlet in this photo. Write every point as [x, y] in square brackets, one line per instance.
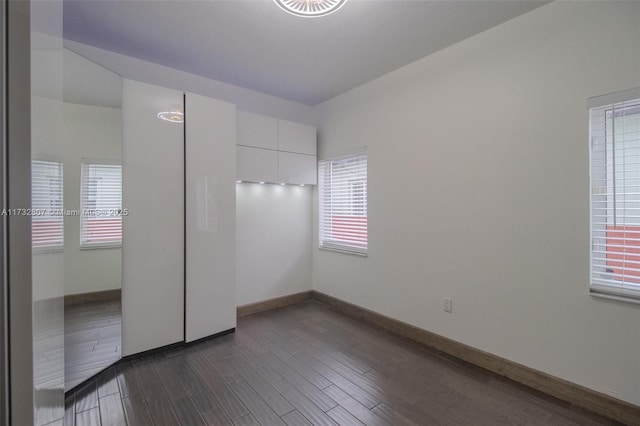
[448, 304]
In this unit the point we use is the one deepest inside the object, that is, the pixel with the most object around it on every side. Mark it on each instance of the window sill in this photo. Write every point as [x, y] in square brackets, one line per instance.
[623, 299]
[100, 246]
[345, 251]
[44, 250]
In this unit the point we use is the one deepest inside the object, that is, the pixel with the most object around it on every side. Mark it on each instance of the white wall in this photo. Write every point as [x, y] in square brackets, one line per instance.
[244, 99]
[273, 241]
[479, 191]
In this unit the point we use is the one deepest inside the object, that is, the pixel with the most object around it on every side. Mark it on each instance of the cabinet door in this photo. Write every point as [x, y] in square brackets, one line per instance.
[256, 130]
[210, 273]
[296, 137]
[297, 168]
[153, 243]
[256, 164]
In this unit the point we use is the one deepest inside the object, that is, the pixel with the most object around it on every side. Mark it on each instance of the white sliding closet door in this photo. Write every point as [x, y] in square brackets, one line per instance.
[211, 216]
[153, 230]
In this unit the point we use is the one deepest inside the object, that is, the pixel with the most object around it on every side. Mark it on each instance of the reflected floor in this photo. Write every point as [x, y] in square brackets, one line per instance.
[48, 359]
[92, 339]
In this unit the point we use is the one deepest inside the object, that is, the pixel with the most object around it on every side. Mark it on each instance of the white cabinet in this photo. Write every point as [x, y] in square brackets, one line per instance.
[296, 137]
[257, 131]
[256, 164]
[179, 189]
[297, 168]
[210, 272]
[153, 234]
[275, 151]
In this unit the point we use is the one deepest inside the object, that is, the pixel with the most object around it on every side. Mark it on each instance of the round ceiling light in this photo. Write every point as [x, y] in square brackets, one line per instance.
[310, 8]
[171, 116]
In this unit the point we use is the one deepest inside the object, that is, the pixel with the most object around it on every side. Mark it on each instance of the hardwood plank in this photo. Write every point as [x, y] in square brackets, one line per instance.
[87, 397]
[313, 394]
[136, 411]
[157, 401]
[128, 380]
[229, 402]
[262, 387]
[187, 413]
[313, 376]
[70, 410]
[294, 418]
[354, 390]
[310, 411]
[173, 386]
[343, 417]
[203, 399]
[358, 410]
[107, 382]
[111, 410]
[274, 378]
[391, 416]
[89, 417]
[258, 408]
[247, 420]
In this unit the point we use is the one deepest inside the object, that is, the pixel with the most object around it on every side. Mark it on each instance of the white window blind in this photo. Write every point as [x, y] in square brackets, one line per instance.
[47, 221]
[342, 185]
[615, 199]
[101, 205]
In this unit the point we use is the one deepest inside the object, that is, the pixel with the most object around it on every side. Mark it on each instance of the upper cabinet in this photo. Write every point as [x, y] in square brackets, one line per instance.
[256, 130]
[296, 137]
[275, 151]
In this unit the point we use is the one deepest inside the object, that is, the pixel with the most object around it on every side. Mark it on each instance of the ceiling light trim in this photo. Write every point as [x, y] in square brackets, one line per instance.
[310, 8]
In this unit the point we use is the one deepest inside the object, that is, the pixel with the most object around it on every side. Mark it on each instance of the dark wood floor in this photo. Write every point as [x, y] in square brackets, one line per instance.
[306, 365]
[92, 339]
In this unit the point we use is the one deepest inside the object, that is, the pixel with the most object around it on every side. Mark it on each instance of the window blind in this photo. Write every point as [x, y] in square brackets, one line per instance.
[101, 205]
[615, 199]
[342, 186]
[47, 220]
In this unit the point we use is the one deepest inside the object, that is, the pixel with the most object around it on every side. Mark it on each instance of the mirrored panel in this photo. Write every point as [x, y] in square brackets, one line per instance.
[92, 161]
[47, 218]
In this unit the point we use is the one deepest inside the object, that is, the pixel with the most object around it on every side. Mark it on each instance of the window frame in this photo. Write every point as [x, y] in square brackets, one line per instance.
[361, 206]
[88, 245]
[600, 287]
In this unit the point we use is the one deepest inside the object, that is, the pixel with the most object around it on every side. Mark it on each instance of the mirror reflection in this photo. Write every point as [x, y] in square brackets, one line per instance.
[92, 162]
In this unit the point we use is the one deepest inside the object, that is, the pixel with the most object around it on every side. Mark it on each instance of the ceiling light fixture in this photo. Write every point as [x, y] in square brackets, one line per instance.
[173, 115]
[310, 8]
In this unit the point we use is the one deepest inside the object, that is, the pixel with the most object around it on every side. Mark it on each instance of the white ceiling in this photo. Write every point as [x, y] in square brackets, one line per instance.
[254, 44]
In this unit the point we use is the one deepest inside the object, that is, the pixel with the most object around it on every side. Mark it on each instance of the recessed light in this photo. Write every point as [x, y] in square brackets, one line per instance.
[310, 8]
[238, 181]
[261, 183]
[302, 184]
[283, 184]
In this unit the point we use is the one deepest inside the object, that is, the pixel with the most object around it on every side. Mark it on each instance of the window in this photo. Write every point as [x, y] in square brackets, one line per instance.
[101, 205]
[47, 221]
[615, 198]
[343, 203]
